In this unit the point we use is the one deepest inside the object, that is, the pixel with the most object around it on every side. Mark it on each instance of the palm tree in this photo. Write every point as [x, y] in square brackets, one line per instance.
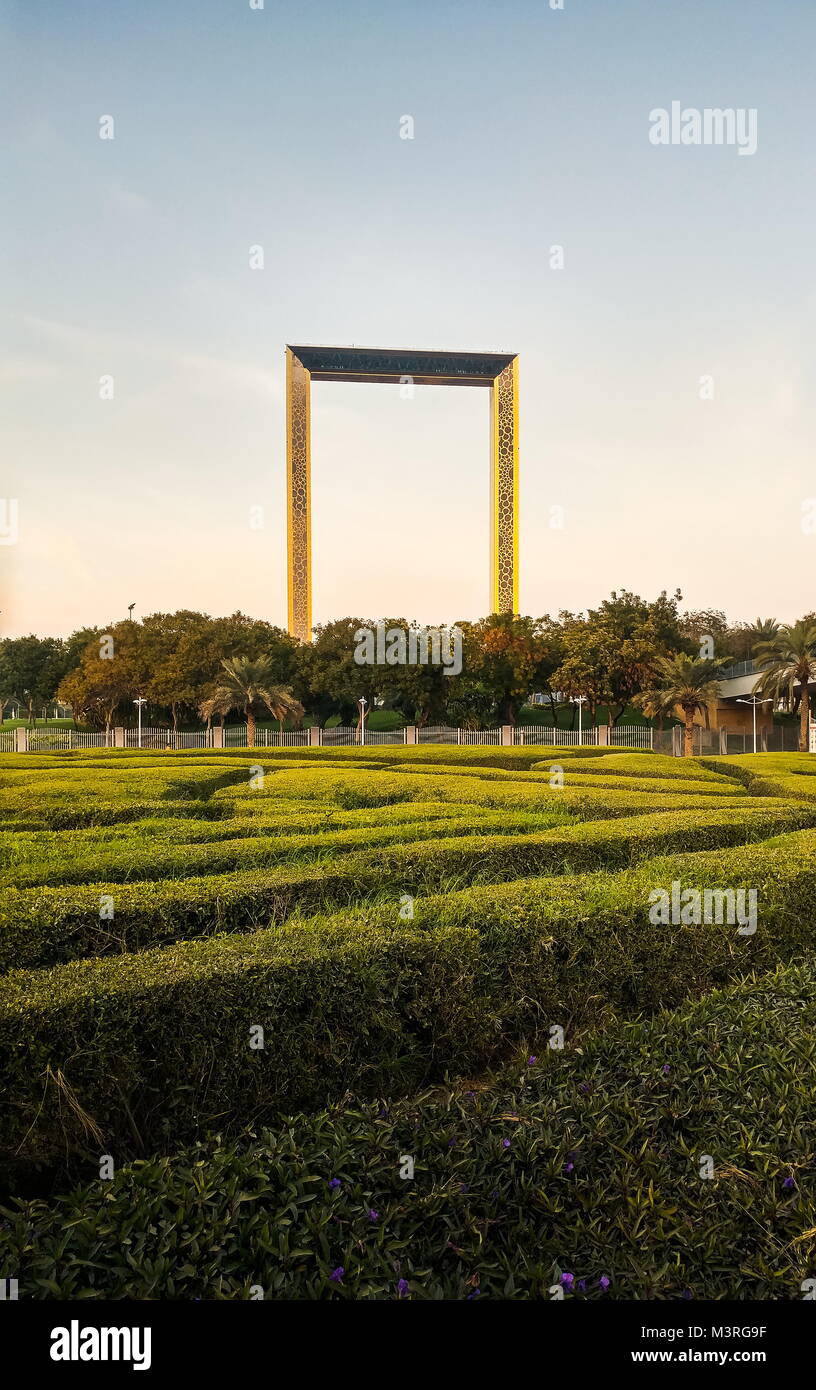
[682, 681]
[762, 630]
[249, 685]
[787, 660]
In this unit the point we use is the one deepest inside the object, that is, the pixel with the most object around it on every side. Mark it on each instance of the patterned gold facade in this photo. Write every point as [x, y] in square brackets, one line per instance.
[497, 371]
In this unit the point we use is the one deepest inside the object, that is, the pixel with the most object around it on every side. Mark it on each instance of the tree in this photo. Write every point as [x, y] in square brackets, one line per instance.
[329, 681]
[8, 686]
[109, 676]
[704, 626]
[682, 682]
[183, 652]
[31, 669]
[179, 660]
[788, 659]
[611, 655]
[744, 637]
[507, 657]
[248, 685]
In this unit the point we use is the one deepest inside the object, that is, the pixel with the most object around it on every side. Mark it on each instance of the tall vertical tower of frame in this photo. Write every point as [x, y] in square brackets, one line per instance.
[496, 370]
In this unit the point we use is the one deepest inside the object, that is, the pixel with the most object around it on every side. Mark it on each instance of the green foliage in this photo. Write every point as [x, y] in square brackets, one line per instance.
[280, 902]
[600, 1180]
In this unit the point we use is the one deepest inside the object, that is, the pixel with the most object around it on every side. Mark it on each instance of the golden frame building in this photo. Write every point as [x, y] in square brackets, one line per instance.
[496, 370]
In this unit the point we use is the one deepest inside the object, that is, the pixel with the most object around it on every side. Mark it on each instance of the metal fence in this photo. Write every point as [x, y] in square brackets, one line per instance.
[548, 737]
[342, 734]
[443, 734]
[56, 738]
[235, 736]
[706, 742]
[632, 736]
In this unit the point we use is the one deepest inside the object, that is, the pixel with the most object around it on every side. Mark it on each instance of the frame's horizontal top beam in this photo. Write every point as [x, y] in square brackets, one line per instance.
[391, 365]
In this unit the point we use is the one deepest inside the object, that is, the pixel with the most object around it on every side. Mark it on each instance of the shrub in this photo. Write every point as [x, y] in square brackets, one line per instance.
[154, 1044]
[600, 1181]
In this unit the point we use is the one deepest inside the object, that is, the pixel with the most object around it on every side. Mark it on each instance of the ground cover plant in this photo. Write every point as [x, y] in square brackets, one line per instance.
[240, 969]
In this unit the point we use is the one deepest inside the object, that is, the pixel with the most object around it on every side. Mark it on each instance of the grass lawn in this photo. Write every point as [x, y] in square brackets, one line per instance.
[263, 979]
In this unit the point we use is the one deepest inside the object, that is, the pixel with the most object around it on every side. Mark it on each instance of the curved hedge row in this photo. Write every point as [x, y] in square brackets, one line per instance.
[152, 1044]
[41, 925]
[572, 1168]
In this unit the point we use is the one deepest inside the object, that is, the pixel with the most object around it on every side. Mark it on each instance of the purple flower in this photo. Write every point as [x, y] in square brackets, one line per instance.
[582, 1285]
[666, 1068]
[463, 1187]
[505, 1143]
[334, 1184]
[568, 1280]
[584, 1087]
[451, 1143]
[604, 1281]
[686, 1293]
[337, 1275]
[531, 1061]
[568, 1167]
[373, 1215]
[402, 1287]
[475, 1294]
[788, 1184]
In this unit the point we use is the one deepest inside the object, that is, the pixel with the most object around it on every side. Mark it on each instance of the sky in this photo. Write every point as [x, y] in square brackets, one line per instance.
[666, 370]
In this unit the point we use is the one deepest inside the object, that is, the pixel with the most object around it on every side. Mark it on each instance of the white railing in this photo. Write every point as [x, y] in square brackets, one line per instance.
[149, 738]
[342, 734]
[235, 736]
[443, 734]
[339, 735]
[632, 736]
[548, 737]
[55, 739]
[85, 740]
[48, 740]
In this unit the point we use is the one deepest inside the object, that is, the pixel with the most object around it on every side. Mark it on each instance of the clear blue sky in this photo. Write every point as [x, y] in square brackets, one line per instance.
[280, 127]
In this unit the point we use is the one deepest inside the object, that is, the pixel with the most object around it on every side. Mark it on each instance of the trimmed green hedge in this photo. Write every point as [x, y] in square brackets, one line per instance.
[157, 1044]
[39, 926]
[225, 852]
[582, 1164]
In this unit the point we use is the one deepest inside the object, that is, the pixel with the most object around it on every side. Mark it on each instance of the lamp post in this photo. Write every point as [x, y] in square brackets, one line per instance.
[138, 703]
[579, 701]
[362, 702]
[754, 701]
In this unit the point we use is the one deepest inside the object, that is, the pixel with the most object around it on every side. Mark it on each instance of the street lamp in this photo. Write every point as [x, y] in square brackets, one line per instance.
[138, 703]
[579, 701]
[754, 701]
[362, 702]
[130, 609]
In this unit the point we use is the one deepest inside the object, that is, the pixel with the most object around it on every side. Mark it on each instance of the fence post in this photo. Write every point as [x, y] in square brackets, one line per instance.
[507, 735]
[763, 739]
[603, 735]
[723, 743]
[21, 741]
[410, 733]
[118, 737]
[217, 736]
[314, 736]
